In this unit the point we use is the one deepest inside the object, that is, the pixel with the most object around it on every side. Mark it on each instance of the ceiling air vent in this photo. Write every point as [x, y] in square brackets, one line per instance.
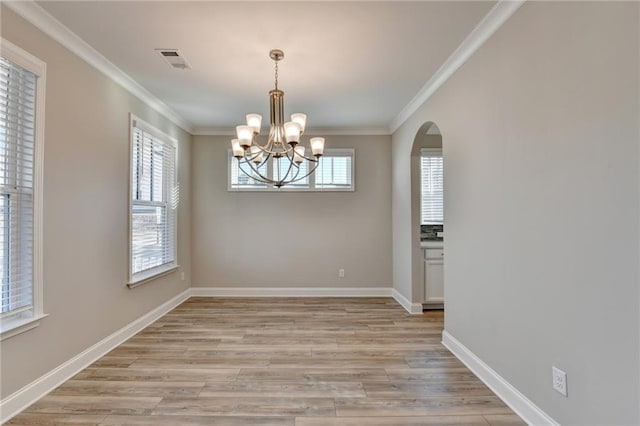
[174, 58]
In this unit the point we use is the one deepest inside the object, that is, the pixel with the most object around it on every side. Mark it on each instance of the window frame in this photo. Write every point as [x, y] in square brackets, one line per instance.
[430, 152]
[142, 277]
[13, 326]
[330, 152]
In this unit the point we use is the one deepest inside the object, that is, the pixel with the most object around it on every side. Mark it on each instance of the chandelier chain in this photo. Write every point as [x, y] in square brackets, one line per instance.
[276, 75]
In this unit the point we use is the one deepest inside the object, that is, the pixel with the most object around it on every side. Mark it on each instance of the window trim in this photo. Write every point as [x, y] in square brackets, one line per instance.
[137, 279]
[26, 60]
[329, 152]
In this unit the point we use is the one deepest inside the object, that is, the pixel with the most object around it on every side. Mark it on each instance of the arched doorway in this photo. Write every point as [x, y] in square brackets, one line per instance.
[427, 217]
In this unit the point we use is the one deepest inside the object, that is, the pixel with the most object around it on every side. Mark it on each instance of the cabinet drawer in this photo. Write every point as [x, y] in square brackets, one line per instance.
[433, 253]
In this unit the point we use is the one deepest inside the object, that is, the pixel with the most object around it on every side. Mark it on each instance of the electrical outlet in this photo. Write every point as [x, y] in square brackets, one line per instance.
[182, 276]
[341, 273]
[559, 380]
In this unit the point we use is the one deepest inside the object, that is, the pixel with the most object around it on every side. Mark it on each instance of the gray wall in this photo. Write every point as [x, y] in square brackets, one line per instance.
[86, 181]
[540, 136]
[288, 239]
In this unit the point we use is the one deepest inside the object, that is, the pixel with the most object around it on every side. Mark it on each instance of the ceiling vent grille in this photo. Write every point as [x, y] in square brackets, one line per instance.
[174, 58]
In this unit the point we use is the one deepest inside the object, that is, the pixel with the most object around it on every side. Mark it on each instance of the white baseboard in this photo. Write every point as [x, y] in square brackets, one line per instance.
[520, 404]
[291, 291]
[21, 399]
[412, 308]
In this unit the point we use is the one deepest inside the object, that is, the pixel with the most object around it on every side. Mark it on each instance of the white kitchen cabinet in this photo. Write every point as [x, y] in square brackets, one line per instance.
[434, 277]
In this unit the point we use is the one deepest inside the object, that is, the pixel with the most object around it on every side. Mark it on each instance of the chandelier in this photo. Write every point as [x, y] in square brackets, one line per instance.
[291, 162]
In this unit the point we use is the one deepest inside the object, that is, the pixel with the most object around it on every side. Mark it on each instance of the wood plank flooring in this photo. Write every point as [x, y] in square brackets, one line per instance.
[278, 361]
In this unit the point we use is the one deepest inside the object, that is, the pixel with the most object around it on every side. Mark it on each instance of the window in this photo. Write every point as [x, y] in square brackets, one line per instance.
[281, 168]
[239, 178]
[154, 201]
[335, 172]
[432, 187]
[21, 136]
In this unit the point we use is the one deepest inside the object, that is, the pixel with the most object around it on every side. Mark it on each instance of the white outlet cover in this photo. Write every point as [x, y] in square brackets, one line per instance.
[559, 380]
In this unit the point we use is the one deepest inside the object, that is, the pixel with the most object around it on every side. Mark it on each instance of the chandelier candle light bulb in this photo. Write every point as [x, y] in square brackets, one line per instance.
[292, 132]
[298, 154]
[282, 143]
[317, 146]
[255, 122]
[245, 135]
[238, 151]
[301, 119]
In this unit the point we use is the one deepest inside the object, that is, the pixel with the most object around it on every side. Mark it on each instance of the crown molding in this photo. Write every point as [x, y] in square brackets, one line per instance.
[497, 16]
[349, 131]
[42, 20]
[46, 23]
[213, 131]
[319, 131]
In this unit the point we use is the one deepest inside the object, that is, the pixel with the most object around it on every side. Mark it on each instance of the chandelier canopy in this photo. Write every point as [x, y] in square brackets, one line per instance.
[291, 162]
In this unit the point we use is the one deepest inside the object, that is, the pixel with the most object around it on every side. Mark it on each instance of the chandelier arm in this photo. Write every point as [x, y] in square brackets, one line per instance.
[249, 158]
[268, 147]
[307, 175]
[276, 170]
[264, 179]
[258, 178]
[291, 165]
[258, 175]
[296, 178]
[272, 152]
[311, 159]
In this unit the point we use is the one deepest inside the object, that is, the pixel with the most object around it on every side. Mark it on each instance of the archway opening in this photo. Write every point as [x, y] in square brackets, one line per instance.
[427, 217]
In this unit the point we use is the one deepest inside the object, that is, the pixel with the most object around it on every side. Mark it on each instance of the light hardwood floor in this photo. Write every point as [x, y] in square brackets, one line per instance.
[278, 361]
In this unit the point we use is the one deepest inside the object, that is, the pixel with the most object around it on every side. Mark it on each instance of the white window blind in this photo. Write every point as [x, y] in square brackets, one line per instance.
[432, 188]
[239, 179]
[17, 146]
[154, 202]
[335, 170]
[334, 173]
[281, 168]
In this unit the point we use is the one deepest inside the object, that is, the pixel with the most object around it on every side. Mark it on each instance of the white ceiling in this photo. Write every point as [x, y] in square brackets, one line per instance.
[347, 64]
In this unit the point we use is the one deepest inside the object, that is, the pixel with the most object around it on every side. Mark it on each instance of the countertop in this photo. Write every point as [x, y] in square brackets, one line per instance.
[431, 244]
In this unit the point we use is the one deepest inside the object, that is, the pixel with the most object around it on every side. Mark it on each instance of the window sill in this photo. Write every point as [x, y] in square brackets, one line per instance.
[289, 189]
[152, 275]
[14, 327]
